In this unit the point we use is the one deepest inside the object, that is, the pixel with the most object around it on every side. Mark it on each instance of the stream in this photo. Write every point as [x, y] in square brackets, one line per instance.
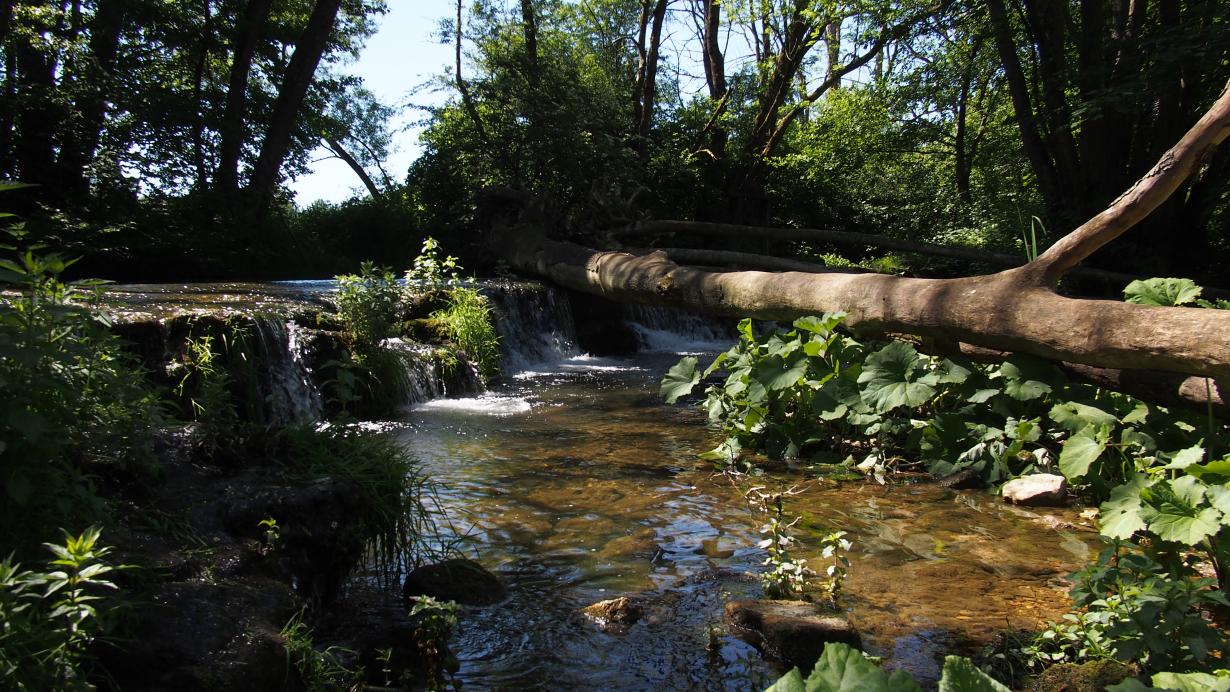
[574, 483]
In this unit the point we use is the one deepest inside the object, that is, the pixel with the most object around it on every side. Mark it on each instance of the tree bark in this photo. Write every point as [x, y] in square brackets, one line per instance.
[233, 131]
[467, 101]
[299, 74]
[1015, 310]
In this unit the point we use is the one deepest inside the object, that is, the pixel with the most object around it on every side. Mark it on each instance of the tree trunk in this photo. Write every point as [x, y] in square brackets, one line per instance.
[467, 101]
[647, 80]
[233, 131]
[79, 142]
[1015, 310]
[529, 29]
[299, 74]
[198, 99]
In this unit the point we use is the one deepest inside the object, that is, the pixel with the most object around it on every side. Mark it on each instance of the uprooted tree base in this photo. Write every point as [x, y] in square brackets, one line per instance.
[1015, 310]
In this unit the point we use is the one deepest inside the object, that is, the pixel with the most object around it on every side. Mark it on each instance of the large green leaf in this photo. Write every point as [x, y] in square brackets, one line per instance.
[1192, 682]
[889, 378]
[1078, 454]
[776, 372]
[1161, 291]
[1027, 377]
[845, 669]
[679, 380]
[823, 325]
[961, 675]
[1074, 416]
[1174, 512]
[790, 682]
[1121, 515]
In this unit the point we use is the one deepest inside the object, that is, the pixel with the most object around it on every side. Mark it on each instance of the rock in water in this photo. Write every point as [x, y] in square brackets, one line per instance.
[460, 580]
[965, 479]
[615, 615]
[794, 632]
[1037, 490]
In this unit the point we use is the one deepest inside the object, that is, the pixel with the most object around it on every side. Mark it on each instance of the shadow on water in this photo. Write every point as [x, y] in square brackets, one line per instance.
[581, 487]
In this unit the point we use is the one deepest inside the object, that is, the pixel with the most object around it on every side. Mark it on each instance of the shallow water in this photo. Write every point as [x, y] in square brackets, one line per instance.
[578, 485]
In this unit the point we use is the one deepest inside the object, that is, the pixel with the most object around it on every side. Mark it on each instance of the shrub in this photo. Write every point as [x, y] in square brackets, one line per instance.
[72, 399]
[467, 322]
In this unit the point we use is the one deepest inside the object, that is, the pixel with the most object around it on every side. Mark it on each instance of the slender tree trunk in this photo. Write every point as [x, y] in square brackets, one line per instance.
[1031, 138]
[336, 147]
[92, 80]
[8, 114]
[37, 118]
[529, 29]
[233, 131]
[295, 84]
[649, 80]
[467, 101]
[198, 100]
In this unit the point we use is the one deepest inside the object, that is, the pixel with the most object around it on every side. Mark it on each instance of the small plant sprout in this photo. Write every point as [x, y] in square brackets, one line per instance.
[835, 546]
[273, 533]
[784, 576]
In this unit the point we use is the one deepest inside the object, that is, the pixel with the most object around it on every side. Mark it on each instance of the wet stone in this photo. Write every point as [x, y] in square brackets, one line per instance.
[965, 479]
[615, 615]
[460, 580]
[794, 632]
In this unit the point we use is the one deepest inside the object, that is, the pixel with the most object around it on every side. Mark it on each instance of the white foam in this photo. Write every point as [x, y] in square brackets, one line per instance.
[481, 405]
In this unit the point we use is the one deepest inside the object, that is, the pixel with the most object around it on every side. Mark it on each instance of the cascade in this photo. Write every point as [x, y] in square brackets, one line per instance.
[667, 329]
[285, 376]
[534, 322]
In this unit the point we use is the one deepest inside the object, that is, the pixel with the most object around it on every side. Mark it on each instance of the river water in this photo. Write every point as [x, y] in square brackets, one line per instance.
[576, 485]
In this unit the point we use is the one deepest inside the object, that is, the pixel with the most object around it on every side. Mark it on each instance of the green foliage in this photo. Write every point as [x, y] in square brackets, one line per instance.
[430, 271]
[467, 322]
[1178, 682]
[206, 385]
[48, 619]
[319, 671]
[1169, 292]
[434, 622]
[784, 576]
[71, 400]
[845, 669]
[368, 304]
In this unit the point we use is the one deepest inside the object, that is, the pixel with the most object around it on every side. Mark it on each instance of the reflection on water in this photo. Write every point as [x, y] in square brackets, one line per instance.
[581, 486]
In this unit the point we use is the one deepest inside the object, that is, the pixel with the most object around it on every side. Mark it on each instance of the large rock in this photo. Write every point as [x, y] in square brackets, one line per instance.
[460, 580]
[1037, 490]
[794, 632]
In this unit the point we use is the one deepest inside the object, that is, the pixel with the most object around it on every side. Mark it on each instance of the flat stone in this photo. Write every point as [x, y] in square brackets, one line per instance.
[965, 479]
[794, 632]
[1037, 490]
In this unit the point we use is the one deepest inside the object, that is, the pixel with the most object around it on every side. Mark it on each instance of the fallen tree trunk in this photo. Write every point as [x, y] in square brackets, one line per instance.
[1014, 310]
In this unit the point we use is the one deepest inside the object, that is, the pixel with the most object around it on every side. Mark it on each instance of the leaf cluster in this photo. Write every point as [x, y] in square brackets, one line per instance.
[842, 668]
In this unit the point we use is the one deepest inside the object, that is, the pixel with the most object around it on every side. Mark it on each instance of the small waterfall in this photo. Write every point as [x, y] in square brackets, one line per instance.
[535, 324]
[424, 374]
[284, 374]
[667, 329]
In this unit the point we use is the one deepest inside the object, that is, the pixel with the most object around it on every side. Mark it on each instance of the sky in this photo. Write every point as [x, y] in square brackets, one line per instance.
[402, 55]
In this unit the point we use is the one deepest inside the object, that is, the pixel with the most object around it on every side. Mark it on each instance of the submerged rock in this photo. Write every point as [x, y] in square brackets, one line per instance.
[1037, 490]
[965, 479]
[794, 632]
[616, 614]
[458, 579]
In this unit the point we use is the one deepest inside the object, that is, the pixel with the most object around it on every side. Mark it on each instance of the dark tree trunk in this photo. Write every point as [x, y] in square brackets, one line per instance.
[647, 80]
[198, 99]
[234, 133]
[529, 29]
[37, 119]
[295, 84]
[79, 143]
[467, 101]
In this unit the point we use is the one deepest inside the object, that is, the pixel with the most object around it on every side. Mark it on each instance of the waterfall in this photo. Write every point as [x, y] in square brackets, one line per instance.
[667, 329]
[534, 322]
[282, 370]
[423, 375]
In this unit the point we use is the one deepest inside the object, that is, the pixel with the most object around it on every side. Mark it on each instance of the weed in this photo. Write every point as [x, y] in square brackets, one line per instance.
[434, 623]
[467, 322]
[48, 619]
[319, 671]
